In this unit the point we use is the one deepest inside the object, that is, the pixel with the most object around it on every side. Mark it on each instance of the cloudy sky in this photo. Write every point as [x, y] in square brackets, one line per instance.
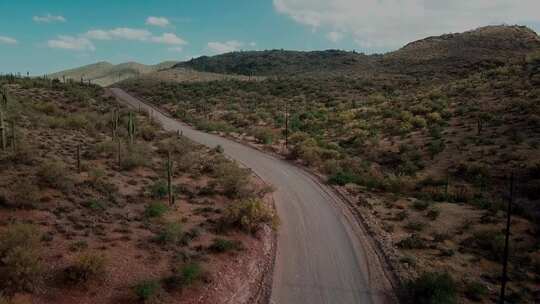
[45, 36]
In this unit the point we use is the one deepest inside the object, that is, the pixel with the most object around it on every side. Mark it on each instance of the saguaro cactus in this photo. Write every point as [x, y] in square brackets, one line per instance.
[119, 155]
[3, 130]
[131, 128]
[78, 158]
[114, 123]
[13, 138]
[169, 179]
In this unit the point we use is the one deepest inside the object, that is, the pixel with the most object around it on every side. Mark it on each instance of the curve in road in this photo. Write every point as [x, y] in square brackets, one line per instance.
[323, 256]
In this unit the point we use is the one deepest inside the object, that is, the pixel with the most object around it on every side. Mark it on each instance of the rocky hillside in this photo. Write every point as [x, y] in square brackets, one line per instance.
[446, 55]
[424, 146]
[454, 54]
[105, 73]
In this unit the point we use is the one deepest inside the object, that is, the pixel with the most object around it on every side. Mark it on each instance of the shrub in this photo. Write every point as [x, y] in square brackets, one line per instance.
[220, 245]
[415, 226]
[136, 155]
[20, 265]
[186, 275]
[54, 174]
[247, 215]
[433, 214]
[264, 135]
[490, 242]
[342, 178]
[420, 205]
[435, 147]
[475, 291]
[96, 205]
[430, 288]
[171, 233]
[87, 267]
[158, 189]
[24, 194]
[156, 209]
[233, 180]
[412, 242]
[148, 291]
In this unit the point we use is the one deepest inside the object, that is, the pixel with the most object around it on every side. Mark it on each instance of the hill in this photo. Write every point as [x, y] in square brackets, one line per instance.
[90, 214]
[422, 139]
[447, 55]
[105, 73]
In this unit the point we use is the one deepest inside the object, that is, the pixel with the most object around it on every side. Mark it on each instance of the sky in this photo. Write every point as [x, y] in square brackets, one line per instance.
[44, 36]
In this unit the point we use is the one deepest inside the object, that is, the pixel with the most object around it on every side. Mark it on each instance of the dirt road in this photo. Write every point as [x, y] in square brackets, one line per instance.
[323, 255]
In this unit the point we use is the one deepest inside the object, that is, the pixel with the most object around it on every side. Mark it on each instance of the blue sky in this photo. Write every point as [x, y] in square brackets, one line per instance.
[46, 36]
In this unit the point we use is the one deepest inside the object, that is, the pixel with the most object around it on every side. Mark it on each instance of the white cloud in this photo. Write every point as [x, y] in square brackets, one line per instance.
[177, 49]
[225, 47]
[71, 43]
[120, 33]
[8, 40]
[334, 36]
[157, 21]
[48, 19]
[385, 24]
[169, 38]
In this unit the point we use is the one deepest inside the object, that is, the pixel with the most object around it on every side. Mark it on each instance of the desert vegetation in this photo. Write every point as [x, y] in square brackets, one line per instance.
[99, 205]
[423, 145]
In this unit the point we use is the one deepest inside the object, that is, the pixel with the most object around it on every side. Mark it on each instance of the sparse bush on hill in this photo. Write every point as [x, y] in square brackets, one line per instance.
[56, 175]
[430, 288]
[247, 215]
[20, 264]
[232, 180]
[185, 276]
[88, 266]
[148, 291]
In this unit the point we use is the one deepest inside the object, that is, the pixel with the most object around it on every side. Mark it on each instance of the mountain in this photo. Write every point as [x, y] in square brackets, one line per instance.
[453, 54]
[279, 62]
[446, 55]
[105, 73]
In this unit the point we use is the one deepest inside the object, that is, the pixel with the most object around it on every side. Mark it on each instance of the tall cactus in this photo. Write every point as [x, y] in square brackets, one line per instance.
[78, 158]
[131, 128]
[169, 179]
[3, 130]
[13, 138]
[114, 123]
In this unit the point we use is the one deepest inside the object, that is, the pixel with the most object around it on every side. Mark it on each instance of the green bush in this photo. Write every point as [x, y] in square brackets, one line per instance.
[490, 243]
[342, 178]
[55, 174]
[430, 288]
[475, 291]
[158, 189]
[155, 209]
[433, 214]
[421, 205]
[171, 233]
[233, 180]
[184, 276]
[136, 155]
[264, 135]
[23, 194]
[148, 291]
[247, 215]
[220, 245]
[88, 266]
[20, 264]
[412, 242]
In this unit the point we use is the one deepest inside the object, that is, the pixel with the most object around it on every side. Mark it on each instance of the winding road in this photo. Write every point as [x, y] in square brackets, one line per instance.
[323, 254]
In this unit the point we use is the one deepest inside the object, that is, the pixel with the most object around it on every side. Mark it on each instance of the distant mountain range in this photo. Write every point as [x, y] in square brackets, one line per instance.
[446, 55]
[105, 73]
[449, 55]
